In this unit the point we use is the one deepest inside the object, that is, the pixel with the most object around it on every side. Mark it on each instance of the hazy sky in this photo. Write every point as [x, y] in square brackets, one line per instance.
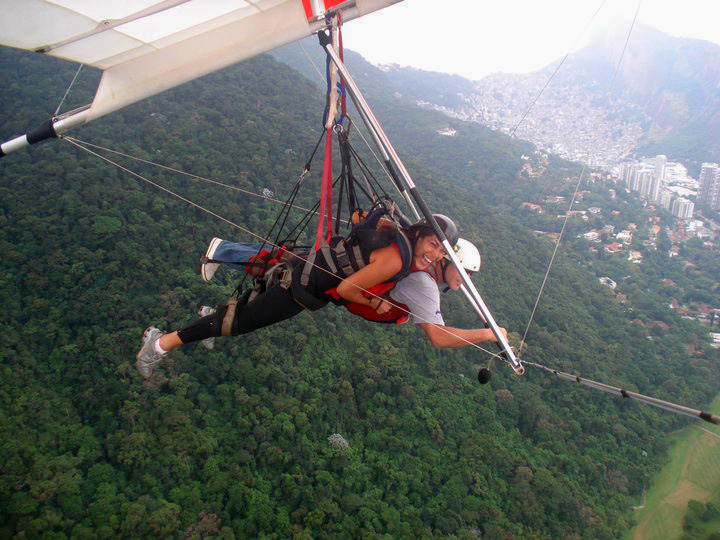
[476, 37]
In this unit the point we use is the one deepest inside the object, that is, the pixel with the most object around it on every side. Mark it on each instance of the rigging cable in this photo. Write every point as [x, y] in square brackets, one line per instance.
[577, 186]
[68, 90]
[557, 68]
[284, 214]
[512, 134]
[79, 142]
[552, 259]
[622, 54]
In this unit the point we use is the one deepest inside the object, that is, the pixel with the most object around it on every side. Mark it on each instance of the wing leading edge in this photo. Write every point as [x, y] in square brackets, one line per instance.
[147, 46]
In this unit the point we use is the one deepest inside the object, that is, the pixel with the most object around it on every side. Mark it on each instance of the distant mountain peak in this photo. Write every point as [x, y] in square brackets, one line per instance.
[657, 94]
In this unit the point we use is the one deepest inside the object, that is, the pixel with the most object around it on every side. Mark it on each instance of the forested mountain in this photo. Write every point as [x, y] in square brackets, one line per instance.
[674, 81]
[233, 442]
[664, 99]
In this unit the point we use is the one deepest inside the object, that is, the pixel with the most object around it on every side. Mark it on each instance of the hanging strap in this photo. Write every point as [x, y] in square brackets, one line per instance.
[331, 74]
[325, 195]
[331, 107]
[335, 94]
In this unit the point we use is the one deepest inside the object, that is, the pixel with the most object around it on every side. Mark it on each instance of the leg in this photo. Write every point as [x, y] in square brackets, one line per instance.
[230, 253]
[150, 354]
[170, 341]
[274, 305]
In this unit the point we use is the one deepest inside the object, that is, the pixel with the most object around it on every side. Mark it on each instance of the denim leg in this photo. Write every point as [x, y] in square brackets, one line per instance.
[231, 253]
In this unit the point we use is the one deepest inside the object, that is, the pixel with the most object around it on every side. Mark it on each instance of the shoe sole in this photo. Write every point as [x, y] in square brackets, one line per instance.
[200, 313]
[138, 364]
[214, 243]
[145, 334]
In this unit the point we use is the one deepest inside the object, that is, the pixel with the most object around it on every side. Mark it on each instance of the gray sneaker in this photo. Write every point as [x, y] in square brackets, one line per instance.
[204, 311]
[207, 269]
[146, 359]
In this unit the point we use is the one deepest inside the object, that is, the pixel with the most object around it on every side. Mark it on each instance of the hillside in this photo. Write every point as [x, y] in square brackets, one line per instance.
[665, 99]
[234, 442]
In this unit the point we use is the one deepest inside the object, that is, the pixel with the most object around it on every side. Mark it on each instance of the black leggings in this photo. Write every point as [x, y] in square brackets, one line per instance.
[274, 305]
[270, 307]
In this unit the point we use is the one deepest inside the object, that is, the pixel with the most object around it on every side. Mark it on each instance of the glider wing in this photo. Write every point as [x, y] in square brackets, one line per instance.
[147, 46]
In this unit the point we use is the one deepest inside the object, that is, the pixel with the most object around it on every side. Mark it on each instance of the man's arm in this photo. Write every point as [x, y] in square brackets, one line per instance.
[453, 338]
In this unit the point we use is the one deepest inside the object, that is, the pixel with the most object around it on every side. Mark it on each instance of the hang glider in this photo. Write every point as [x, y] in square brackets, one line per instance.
[144, 47]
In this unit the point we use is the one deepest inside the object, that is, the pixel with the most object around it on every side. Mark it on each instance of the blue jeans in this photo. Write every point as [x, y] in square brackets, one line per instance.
[232, 253]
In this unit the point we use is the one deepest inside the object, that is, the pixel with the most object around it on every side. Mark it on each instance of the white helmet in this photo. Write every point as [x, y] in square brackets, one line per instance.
[468, 255]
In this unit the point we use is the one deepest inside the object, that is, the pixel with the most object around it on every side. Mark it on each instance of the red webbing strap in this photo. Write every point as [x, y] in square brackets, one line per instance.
[326, 5]
[325, 194]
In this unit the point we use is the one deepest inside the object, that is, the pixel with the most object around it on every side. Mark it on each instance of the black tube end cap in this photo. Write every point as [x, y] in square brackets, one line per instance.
[484, 376]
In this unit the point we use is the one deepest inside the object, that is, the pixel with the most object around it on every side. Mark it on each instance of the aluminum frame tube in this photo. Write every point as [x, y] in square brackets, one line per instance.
[384, 143]
[55, 127]
[472, 302]
[376, 132]
[660, 403]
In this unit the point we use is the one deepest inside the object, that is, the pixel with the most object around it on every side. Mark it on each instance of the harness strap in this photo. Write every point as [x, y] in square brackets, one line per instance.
[229, 317]
[326, 251]
[408, 249]
[305, 277]
[357, 254]
[343, 259]
[279, 274]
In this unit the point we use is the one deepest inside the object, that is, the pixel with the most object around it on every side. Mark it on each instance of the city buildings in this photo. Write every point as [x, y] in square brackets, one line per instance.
[662, 182]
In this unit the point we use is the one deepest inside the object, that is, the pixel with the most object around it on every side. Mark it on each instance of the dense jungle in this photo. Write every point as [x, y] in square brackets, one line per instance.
[235, 442]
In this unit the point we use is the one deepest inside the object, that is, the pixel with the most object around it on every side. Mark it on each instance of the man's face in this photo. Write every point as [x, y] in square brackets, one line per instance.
[452, 276]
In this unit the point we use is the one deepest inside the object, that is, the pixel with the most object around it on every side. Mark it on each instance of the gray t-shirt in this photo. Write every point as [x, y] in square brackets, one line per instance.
[420, 294]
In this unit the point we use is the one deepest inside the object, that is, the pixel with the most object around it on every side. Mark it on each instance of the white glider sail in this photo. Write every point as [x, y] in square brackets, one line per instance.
[147, 46]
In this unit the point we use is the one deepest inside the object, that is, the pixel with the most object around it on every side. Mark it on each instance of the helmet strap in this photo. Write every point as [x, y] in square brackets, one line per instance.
[443, 266]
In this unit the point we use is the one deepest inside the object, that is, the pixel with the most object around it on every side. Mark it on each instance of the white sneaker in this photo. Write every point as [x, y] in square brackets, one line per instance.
[207, 269]
[146, 358]
[204, 311]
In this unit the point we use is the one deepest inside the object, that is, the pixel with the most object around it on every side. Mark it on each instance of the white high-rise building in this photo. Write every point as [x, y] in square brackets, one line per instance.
[628, 173]
[666, 198]
[660, 162]
[645, 178]
[709, 192]
[658, 179]
[683, 208]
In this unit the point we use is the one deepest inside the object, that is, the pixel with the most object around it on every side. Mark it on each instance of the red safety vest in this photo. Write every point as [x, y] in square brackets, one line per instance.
[398, 314]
